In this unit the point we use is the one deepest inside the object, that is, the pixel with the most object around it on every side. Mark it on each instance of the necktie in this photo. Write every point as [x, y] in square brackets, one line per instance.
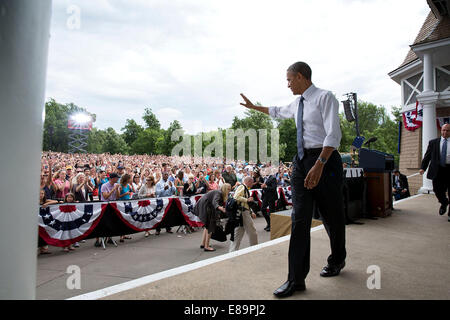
[300, 129]
[444, 153]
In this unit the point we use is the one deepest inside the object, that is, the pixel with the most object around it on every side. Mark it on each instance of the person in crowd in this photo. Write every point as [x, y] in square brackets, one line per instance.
[136, 185]
[172, 175]
[240, 175]
[230, 177]
[44, 203]
[208, 209]
[101, 179]
[62, 185]
[148, 189]
[242, 196]
[80, 187]
[125, 193]
[47, 183]
[189, 188]
[437, 160]
[164, 188]
[69, 198]
[145, 174]
[202, 184]
[120, 171]
[257, 179]
[219, 178]
[317, 177]
[109, 192]
[179, 184]
[212, 182]
[269, 195]
[400, 187]
[69, 173]
[90, 183]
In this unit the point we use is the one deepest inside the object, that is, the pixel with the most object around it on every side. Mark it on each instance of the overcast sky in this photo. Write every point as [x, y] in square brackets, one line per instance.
[189, 59]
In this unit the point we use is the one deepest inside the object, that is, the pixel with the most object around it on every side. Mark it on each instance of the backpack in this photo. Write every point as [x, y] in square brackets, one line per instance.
[234, 217]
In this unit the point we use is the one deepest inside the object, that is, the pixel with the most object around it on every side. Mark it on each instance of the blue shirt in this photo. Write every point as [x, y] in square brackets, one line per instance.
[125, 190]
[160, 192]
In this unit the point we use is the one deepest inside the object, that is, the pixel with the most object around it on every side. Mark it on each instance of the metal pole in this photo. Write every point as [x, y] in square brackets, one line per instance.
[355, 99]
[24, 37]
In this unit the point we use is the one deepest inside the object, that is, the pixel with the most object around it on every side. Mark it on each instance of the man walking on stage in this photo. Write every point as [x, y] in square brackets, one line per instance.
[437, 157]
[317, 175]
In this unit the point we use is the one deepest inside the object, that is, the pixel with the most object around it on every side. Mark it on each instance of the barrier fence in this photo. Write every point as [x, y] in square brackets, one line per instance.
[61, 225]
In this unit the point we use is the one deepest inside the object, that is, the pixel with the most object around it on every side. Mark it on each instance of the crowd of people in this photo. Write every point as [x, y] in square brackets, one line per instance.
[68, 178]
[85, 176]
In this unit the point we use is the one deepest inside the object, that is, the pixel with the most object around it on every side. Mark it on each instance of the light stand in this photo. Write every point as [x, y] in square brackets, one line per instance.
[79, 125]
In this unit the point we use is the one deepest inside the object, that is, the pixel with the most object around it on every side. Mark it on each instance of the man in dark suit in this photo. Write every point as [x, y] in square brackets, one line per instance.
[400, 186]
[269, 196]
[438, 159]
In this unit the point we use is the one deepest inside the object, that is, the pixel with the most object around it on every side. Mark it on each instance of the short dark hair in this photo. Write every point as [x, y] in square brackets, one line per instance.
[302, 68]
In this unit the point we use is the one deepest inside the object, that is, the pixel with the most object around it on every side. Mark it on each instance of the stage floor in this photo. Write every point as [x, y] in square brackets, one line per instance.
[411, 250]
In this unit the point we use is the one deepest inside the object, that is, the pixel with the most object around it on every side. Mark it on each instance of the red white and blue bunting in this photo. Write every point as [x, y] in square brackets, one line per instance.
[62, 225]
[65, 224]
[413, 119]
[143, 214]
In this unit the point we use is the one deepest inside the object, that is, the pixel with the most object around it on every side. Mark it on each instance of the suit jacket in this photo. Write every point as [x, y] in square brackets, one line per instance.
[403, 183]
[432, 158]
[271, 191]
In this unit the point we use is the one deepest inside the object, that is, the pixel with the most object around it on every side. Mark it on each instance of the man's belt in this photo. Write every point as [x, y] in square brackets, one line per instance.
[313, 151]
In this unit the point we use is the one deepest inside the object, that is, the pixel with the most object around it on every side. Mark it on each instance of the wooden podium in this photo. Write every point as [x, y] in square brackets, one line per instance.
[379, 193]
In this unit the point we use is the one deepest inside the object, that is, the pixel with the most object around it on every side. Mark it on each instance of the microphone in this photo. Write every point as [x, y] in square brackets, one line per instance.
[368, 142]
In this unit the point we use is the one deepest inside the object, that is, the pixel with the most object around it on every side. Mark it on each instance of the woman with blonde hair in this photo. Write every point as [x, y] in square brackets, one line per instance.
[62, 185]
[208, 209]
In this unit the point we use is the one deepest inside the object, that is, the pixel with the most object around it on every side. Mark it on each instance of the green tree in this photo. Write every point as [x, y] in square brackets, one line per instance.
[131, 131]
[114, 143]
[167, 145]
[96, 141]
[254, 120]
[151, 120]
[146, 142]
[288, 138]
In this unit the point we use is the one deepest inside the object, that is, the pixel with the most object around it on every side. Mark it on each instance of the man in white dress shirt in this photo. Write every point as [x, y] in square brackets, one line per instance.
[317, 175]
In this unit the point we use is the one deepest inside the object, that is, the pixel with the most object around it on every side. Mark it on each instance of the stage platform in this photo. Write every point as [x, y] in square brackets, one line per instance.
[410, 248]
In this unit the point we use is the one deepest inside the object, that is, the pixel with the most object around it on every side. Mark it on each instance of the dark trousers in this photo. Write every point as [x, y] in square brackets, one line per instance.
[328, 197]
[268, 201]
[441, 185]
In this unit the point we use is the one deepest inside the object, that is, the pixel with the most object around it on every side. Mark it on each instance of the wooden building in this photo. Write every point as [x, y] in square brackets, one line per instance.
[424, 76]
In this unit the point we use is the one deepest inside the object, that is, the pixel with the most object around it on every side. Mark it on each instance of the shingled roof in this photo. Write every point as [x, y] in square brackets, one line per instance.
[432, 29]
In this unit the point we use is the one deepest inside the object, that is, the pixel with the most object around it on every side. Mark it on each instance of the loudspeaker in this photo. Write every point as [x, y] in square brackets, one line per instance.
[348, 111]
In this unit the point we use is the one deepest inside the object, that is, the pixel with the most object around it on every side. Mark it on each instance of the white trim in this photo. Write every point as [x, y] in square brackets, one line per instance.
[414, 88]
[418, 48]
[179, 270]
[409, 198]
[398, 74]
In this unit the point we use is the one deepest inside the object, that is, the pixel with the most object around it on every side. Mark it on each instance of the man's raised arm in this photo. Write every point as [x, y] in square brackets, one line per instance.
[248, 104]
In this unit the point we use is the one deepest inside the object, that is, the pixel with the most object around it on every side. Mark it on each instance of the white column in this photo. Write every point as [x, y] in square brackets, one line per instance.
[24, 37]
[428, 99]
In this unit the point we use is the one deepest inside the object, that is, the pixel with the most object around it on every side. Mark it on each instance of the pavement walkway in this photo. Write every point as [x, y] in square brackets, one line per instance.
[409, 251]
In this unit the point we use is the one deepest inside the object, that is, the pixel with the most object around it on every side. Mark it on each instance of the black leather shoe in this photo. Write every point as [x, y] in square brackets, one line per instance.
[288, 288]
[332, 270]
[442, 209]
